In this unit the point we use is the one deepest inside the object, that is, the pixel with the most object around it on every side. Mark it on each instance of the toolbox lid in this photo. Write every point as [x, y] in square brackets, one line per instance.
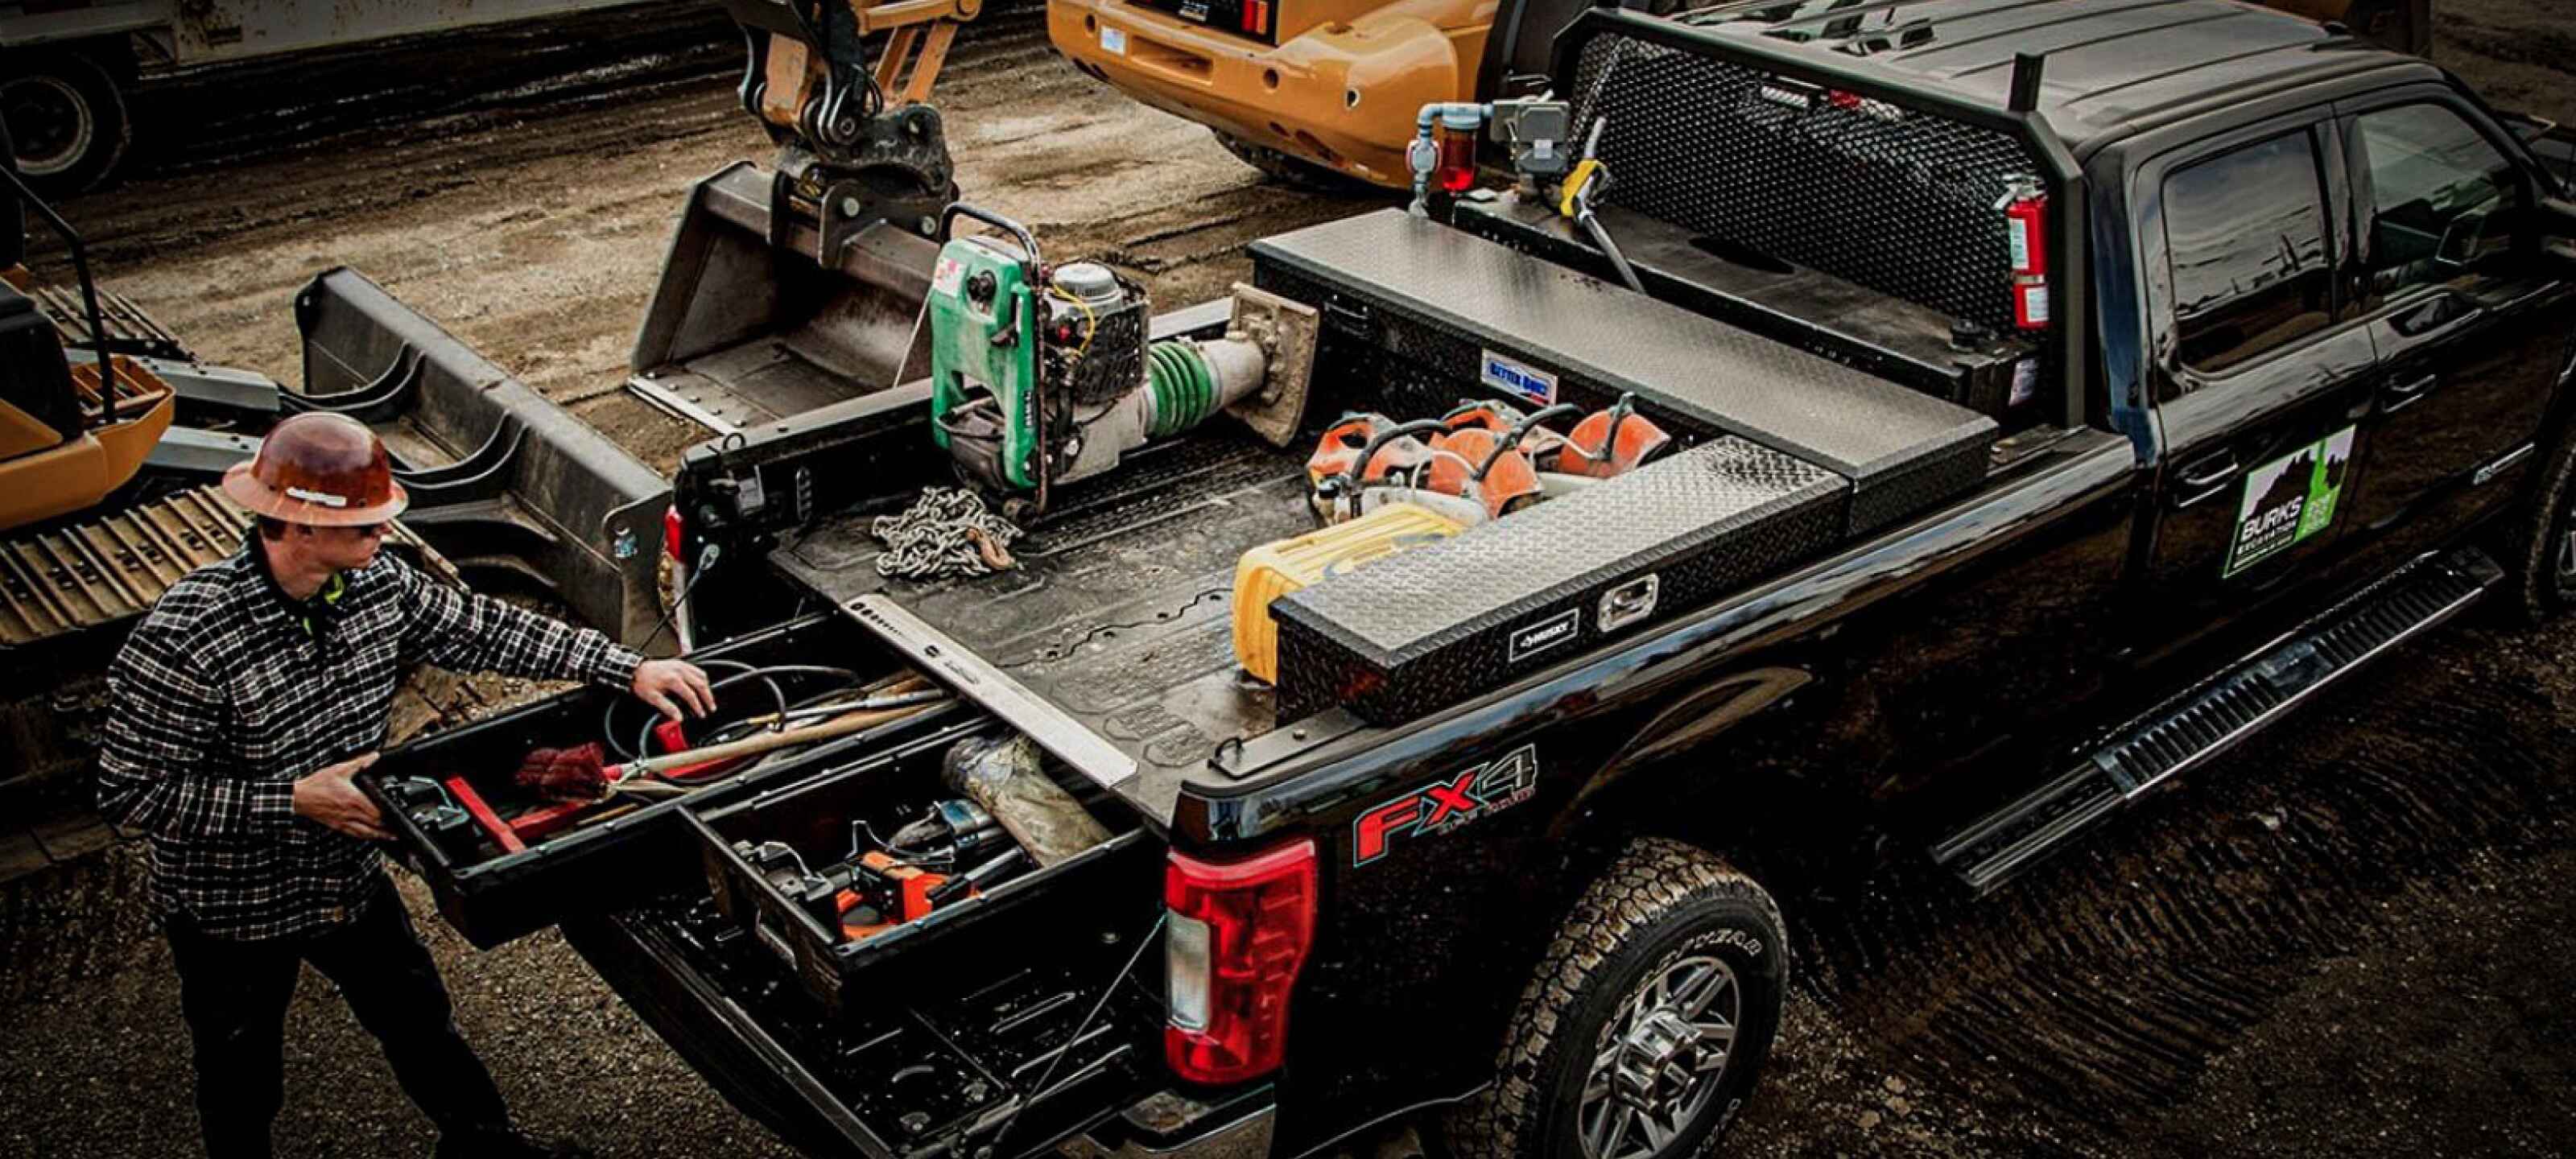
[1859, 426]
[1727, 496]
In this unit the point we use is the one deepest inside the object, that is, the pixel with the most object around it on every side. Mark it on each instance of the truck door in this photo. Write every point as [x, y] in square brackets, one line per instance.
[2470, 318]
[2261, 372]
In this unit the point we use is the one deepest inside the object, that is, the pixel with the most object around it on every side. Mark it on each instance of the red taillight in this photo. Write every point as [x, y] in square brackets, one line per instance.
[2026, 231]
[1238, 933]
[671, 531]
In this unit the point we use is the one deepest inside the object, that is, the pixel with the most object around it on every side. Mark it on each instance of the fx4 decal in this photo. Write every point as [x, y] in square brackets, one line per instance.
[1447, 803]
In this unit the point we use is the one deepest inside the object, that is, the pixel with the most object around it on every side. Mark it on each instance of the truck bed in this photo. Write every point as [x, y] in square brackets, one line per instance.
[1111, 644]
[1118, 614]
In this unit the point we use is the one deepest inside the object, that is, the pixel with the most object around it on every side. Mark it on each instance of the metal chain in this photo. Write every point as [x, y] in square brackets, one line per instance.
[947, 532]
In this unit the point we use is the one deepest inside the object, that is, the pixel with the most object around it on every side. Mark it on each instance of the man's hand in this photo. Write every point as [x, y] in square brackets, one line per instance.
[668, 684]
[327, 796]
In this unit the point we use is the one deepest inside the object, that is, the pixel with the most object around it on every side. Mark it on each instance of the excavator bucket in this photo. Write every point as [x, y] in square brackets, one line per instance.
[503, 482]
[762, 313]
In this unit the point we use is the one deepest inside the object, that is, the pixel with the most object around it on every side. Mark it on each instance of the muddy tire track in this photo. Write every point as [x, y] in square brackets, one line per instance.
[2096, 992]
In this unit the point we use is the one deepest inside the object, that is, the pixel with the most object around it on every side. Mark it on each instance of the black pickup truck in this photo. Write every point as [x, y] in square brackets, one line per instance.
[1978, 535]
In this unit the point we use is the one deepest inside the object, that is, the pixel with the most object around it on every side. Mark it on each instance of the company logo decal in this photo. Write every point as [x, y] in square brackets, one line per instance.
[1446, 804]
[1518, 379]
[2288, 500]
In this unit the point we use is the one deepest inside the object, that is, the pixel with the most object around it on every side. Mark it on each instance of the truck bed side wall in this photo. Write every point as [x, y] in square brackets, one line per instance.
[1966, 640]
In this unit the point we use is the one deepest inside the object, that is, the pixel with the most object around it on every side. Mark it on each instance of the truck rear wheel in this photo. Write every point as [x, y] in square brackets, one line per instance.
[66, 116]
[1646, 1024]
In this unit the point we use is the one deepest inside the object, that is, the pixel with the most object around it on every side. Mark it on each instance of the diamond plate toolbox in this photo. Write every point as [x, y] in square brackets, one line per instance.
[1418, 314]
[1440, 624]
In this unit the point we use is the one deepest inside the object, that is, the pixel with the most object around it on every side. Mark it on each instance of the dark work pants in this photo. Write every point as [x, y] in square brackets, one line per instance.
[234, 995]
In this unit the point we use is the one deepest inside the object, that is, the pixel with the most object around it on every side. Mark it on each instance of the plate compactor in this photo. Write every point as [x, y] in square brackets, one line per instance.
[1041, 375]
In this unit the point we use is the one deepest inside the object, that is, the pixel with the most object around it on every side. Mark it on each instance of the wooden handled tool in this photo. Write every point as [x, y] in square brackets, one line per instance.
[838, 726]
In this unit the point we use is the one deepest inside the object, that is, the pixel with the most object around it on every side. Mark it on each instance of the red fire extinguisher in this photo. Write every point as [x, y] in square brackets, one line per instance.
[2025, 210]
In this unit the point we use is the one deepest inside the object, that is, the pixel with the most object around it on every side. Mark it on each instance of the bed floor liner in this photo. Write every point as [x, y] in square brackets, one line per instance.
[1118, 614]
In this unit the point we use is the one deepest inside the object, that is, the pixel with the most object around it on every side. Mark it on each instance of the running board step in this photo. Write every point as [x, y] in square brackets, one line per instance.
[2186, 731]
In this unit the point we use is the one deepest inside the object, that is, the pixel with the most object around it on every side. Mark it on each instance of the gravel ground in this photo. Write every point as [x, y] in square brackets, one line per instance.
[2344, 939]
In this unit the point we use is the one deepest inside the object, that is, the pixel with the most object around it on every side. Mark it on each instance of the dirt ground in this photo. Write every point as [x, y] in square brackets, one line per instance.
[2346, 938]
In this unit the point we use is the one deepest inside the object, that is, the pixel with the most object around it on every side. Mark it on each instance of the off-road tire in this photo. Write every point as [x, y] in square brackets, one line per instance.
[1295, 172]
[2539, 590]
[1660, 900]
[85, 129]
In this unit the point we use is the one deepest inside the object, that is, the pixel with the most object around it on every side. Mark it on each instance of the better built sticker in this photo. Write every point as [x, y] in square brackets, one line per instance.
[2289, 499]
[1518, 379]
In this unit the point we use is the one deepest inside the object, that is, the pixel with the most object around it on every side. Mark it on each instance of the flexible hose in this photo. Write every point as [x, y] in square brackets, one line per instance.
[1183, 384]
[1618, 261]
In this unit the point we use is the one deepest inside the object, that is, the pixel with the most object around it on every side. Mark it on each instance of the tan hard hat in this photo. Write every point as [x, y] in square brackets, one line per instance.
[319, 469]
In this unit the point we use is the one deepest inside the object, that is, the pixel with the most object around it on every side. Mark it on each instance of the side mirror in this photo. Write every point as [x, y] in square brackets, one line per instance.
[2459, 248]
[13, 209]
[2557, 218]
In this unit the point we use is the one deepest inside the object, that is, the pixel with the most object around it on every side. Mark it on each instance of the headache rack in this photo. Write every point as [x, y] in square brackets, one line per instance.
[1826, 159]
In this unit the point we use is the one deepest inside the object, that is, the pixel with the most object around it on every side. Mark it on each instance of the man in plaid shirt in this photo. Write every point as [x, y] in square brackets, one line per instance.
[243, 704]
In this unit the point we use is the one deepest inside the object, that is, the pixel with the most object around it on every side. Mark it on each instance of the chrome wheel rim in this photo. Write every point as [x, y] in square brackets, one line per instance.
[1659, 1062]
[48, 122]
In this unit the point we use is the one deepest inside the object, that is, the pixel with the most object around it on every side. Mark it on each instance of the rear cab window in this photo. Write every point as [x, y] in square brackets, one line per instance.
[2245, 235]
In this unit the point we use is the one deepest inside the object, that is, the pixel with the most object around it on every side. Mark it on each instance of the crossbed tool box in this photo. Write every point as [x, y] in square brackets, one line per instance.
[1428, 628]
[1424, 312]
[1904, 342]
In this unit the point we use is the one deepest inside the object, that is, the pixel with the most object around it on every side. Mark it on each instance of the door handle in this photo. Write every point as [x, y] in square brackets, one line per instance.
[2210, 472]
[2203, 479]
[2405, 394]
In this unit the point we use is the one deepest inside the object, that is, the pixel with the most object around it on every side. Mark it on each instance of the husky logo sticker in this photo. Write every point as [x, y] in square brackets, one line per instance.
[1545, 634]
[1446, 803]
[2288, 500]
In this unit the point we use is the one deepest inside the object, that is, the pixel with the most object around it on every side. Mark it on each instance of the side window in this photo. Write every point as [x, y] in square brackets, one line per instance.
[2442, 200]
[2245, 232]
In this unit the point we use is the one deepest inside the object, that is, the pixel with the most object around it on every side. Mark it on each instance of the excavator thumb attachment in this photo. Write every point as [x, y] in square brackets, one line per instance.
[503, 482]
[763, 313]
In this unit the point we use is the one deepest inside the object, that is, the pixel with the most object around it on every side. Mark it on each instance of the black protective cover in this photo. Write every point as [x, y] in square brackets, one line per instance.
[1418, 310]
[1425, 629]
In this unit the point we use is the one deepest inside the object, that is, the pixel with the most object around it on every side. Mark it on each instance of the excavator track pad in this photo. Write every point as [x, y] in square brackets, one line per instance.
[109, 569]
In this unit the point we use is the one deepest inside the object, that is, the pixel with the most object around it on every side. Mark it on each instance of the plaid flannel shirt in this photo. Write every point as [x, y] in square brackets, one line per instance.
[228, 692]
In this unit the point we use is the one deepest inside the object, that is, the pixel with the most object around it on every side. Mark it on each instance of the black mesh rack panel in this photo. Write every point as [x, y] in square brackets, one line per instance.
[1428, 628]
[1417, 315]
[1897, 199]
